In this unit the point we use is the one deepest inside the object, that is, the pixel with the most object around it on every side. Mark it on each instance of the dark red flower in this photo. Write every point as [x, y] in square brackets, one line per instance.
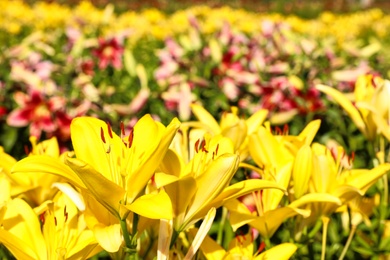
[36, 111]
[109, 52]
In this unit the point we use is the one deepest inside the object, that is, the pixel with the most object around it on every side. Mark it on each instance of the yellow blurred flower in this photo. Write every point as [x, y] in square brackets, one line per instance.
[112, 173]
[370, 113]
[231, 125]
[63, 235]
[242, 248]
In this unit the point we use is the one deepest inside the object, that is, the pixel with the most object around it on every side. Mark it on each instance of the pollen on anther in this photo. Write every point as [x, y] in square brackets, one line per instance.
[197, 146]
[42, 218]
[203, 146]
[122, 129]
[131, 137]
[65, 214]
[102, 135]
[351, 158]
[109, 129]
[285, 129]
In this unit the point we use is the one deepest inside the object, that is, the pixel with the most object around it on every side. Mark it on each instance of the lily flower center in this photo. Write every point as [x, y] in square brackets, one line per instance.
[57, 241]
[120, 158]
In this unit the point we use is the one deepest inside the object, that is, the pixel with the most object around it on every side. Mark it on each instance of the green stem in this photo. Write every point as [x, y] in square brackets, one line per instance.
[135, 224]
[221, 226]
[325, 221]
[385, 190]
[130, 241]
[349, 240]
[315, 229]
[125, 233]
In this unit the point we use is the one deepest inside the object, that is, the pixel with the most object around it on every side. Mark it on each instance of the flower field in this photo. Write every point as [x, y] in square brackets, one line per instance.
[207, 133]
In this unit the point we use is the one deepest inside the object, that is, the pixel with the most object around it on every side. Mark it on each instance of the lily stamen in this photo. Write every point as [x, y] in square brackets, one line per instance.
[131, 137]
[109, 129]
[197, 146]
[102, 135]
[65, 214]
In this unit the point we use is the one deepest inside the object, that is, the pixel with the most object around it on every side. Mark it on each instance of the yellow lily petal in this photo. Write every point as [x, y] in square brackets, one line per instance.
[244, 187]
[347, 192]
[162, 179]
[21, 220]
[181, 194]
[6, 164]
[382, 125]
[105, 191]
[302, 170]
[206, 118]
[315, 197]
[171, 164]
[154, 206]
[88, 139]
[271, 220]
[310, 131]
[47, 164]
[257, 119]
[239, 189]
[280, 118]
[99, 220]
[109, 237]
[213, 181]
[211, 249]
[266, 150]
[235, 129]
[5, 188]
[201, 234]
[74, 196]
[346, 104]
[48, 147]
[17, 246]
[150, 152]
[324, 171]
[85, 251]
[362, 179]
[271, 197]
[267, 224]
[239, 214]
[282, 252]
[241, 247]
[7, 161]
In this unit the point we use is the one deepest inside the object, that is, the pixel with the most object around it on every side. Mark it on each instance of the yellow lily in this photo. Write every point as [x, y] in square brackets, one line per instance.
[231, 126]
[357, 210]
[165, 234]
[5, 195]
[203, 183]
[381, 103]
[112, 173]
[371, 110]
[34, 188]
[332, 186]
[63, 234]
[275, 155]
[274, 151]
[242, 248]
[268, 214]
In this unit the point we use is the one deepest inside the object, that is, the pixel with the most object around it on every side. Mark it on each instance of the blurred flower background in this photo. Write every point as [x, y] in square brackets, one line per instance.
[287, 101]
